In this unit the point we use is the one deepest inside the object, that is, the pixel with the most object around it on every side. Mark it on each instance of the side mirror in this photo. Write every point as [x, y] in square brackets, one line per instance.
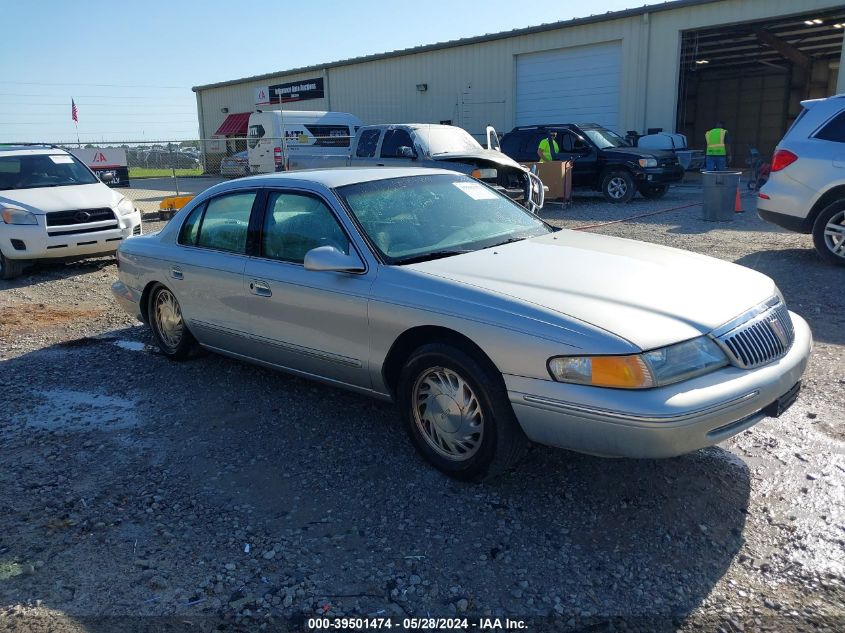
[407, 152]
[330, 259]
[106, 177]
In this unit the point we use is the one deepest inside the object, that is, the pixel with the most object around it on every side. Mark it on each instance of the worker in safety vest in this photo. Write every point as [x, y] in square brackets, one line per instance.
[718, 154]
[548, 149]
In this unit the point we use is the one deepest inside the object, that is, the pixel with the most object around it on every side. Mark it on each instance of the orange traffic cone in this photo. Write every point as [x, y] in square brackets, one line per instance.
[737, 202]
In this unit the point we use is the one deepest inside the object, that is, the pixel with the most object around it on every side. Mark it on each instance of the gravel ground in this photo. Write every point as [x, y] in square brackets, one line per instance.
[214, 495]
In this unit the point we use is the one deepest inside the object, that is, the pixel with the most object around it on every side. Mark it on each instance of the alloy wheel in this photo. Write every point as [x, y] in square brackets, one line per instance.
[617, 188]
[834, 234]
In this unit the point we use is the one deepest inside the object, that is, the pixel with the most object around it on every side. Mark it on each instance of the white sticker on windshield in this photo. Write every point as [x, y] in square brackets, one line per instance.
[59, 159]
[475, 190]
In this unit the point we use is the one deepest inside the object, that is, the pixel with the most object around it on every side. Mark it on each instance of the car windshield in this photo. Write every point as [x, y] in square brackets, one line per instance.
[32, 171]
[417, 218]
[604, 138]
[447, 139]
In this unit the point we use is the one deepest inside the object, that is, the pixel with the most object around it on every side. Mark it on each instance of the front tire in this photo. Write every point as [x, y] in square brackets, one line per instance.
[10, 268]
[829, 233]
[457, 413]
[168, 327]
[618, 186]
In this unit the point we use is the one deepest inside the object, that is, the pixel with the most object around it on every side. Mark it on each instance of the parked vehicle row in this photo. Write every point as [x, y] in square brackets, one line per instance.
[487, 327]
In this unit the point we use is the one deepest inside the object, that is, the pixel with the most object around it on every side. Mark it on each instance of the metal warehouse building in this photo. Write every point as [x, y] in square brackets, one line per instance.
[679, 66]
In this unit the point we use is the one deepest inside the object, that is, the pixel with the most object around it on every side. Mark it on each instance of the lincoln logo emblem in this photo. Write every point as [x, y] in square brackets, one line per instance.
[777, 328]
[81, 216]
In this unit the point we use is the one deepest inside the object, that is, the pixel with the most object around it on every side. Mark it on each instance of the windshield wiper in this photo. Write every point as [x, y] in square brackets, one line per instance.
[510, 240]
[413, 259]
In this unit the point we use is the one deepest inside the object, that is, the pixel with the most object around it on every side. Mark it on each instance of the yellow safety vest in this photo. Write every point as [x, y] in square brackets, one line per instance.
[716, 141]
[544, 150]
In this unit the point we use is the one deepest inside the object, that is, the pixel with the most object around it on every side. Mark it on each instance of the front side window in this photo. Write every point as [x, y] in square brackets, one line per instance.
[367, 144]
[221, 224]
[43, 170]
[393, 140]
[833, 130]
[426, 217]
[296, 223]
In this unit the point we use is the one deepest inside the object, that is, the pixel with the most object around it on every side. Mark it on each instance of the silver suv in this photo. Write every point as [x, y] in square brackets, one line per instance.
[806, 188]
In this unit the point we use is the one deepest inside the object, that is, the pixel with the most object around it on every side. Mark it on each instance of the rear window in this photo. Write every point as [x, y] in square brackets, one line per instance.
[254, 134]
[833, 130]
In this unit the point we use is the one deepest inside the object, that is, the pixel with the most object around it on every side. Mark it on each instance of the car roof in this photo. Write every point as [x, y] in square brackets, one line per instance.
[23, 150]
[338, 177]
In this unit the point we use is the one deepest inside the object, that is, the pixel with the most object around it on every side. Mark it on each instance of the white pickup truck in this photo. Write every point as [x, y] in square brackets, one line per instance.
[428, 145]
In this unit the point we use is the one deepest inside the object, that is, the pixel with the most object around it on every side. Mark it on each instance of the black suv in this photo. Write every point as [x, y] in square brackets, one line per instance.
[604, 160]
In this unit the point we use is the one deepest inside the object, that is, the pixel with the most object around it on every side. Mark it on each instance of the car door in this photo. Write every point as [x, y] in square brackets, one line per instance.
[309, 321]
[581, 153]
[206, 270]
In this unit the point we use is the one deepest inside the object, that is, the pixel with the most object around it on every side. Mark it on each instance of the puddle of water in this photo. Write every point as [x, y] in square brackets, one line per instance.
[132, 346]
[64, 410]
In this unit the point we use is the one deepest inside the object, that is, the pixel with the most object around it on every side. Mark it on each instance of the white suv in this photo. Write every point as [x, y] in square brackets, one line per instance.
[53, 207]
[806, 189]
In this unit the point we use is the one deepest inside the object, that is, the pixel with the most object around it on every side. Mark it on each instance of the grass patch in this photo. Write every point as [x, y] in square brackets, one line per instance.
[152, 172]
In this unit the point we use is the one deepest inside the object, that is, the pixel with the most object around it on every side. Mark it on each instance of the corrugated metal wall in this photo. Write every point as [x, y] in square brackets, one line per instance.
[474, 84]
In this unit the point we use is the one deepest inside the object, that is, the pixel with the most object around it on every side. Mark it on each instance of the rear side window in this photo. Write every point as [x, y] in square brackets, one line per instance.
[191, 228]
[833, 130]
[367, 144]
[220, 225]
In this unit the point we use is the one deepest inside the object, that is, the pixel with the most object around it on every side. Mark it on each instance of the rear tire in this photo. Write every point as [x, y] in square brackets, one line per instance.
[10, 268]
[618, 186]
[829, 233]
[168, 327]
[456, 410]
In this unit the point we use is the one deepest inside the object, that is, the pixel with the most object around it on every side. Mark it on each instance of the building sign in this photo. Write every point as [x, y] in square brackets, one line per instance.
[105, 160]
[294, 91]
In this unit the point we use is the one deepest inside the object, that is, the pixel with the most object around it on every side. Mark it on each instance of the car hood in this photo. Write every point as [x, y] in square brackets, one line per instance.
[647, 294]
[47, 199]
[489, 155]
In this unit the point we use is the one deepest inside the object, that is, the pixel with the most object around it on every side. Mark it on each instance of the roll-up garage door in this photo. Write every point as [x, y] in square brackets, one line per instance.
[569, 85]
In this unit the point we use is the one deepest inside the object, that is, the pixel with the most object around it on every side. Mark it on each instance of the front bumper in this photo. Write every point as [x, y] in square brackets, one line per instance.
[659, 175]
[34, 241]
[662, 422]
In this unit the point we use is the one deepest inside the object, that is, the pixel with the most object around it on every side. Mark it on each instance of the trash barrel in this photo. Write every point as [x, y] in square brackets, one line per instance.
[720, 189]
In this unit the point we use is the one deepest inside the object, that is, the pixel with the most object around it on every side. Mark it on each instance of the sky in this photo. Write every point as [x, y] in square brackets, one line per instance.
[130, 66]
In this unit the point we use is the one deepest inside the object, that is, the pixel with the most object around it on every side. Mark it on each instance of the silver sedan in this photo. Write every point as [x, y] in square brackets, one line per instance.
[487, 327]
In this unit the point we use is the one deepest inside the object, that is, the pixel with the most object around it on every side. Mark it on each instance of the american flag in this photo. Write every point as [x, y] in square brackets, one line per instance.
[74, 113]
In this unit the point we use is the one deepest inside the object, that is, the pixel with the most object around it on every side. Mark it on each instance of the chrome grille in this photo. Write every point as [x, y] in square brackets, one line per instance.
[761, 339]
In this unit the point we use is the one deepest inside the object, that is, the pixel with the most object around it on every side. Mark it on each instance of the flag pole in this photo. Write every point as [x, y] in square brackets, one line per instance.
[78, 144]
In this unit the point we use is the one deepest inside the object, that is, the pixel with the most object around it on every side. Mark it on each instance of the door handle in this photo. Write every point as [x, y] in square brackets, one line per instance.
[260, 288]
[176, 273]
[379, 164]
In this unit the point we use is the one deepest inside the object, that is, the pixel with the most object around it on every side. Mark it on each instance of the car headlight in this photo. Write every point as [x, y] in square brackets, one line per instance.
[125, 207]
[648, 162]
[17, 216]
[656, 368]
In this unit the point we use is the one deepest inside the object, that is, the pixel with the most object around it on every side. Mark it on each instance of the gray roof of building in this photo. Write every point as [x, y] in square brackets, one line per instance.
[466, 41]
